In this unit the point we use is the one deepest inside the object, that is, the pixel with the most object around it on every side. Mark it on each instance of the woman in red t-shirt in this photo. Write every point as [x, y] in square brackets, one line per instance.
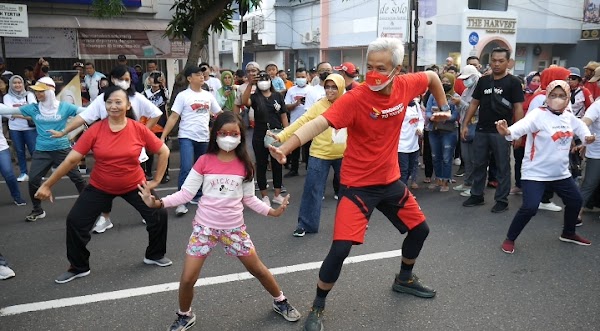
[116, 142]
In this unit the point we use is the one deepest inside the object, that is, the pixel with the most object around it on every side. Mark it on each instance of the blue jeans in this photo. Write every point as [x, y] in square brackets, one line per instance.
[21, 139]
[408, 162]
[566, 189]
[442, 152]
[309, 215]
[189, 152]
[9, 176]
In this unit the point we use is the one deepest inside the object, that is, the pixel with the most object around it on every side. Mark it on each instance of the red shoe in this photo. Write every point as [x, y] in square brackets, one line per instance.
[574, 239]
[492, 184]
[508, 246]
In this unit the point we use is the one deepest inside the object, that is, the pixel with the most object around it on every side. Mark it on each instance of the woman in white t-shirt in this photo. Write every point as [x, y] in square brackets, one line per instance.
[8, 174]
[21, 132]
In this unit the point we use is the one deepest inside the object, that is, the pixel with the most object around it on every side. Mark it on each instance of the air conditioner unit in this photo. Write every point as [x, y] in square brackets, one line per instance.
[316, 36]
[307, 37]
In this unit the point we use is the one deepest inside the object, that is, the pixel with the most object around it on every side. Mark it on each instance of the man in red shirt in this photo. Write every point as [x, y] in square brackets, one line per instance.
[349, 71]
[373, 113]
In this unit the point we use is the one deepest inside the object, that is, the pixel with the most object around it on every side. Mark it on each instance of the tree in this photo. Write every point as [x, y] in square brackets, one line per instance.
[194, 19]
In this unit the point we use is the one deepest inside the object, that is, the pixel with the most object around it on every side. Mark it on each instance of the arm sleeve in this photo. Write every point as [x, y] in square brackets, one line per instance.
[305, 118]
[193, 183]
[588, 99]
[421, 123]
[454, 111]
[343, 111]
[178, 104]
[252, 201]
[86, 141]
[153, 143]
[517, 94]
[93, 111]
[580, 129]
[147, 108]
[526, 125]
[478, 91]
[28, 110]
[593, 112]
[283, 109]
[537, 101]
[31, 98]
[72, 109]
[430, 103]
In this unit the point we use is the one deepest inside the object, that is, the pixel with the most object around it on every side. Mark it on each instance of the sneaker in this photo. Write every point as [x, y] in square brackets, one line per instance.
[82, 171]
[575, 239]
[460, 172]
[35, 215]
[500, 207]
[164, 262]
[286, 310]
[102, 224]
[314, 321]
[283, 189]
[299, 232]
[181, 210]
[194, 201]
[492, 184]
[516, 190]
[461, 187]
[6, 272]
[69, 276]
[149, 177]
[413, 186]
[290, 174]
[20, 202]
[278, 199]
[336, 197]
[466, 193]
[444, 188]
[143, 221]
[257, 189]
[165, 179]
[457, 161]
[183, 322]
[266, 200]
[23, 178]
[413, 286]
[473, 200]
[551, 206]
[508, 246]
[579, 222]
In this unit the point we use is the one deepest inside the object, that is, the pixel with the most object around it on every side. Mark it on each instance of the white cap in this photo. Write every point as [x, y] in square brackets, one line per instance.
[468, 71]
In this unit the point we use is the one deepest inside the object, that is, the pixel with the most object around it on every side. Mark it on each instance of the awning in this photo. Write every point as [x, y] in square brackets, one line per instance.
[84, 22]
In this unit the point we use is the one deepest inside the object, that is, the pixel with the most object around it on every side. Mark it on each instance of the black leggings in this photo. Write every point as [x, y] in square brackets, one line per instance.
[262, 156]
[332, 265]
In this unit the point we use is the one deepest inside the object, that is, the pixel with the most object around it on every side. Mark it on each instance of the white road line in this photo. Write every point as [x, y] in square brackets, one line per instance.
[66, 197]
[146, 290]
[85, 176]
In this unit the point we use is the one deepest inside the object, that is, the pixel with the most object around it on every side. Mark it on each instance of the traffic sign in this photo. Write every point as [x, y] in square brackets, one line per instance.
[473, 38]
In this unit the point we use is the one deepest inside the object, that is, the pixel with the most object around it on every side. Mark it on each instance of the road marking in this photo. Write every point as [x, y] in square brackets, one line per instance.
[65, 197]
[84, 176]
[146, 290]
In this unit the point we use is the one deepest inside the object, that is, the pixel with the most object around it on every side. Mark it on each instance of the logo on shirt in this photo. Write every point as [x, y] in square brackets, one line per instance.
[413, 121]
[393, 111]
[563, 137]
[52, 118]
[497, 90]
[200, 106]
[224, 185]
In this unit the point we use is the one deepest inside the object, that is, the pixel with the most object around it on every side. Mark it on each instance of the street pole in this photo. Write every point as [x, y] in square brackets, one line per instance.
[410, 49]
[417, 23]
[241, 31]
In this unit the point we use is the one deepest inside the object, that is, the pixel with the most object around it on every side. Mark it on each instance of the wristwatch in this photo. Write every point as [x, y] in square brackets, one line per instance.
[445, 108]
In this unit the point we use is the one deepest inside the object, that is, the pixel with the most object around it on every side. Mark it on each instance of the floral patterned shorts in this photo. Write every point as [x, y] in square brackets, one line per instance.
[236, 241]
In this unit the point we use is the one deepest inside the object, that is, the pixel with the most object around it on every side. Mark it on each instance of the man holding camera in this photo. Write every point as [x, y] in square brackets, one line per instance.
[295, 100]
[498, 96]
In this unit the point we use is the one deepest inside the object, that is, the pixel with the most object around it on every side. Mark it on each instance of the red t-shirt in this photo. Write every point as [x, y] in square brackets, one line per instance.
[459, 86]
[594, 89]
[373, 121]
[117, 169]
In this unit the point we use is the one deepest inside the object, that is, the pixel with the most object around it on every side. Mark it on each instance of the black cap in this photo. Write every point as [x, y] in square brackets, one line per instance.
[192, 70]
[121, 57]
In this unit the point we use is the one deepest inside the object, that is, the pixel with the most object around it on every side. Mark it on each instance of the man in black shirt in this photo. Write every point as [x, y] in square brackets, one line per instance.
[499, 96]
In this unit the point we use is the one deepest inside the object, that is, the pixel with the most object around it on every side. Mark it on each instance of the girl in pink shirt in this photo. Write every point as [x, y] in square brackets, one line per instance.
[225, 176]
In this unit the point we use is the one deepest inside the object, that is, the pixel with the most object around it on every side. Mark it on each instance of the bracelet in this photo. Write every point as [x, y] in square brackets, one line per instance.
[162, 205]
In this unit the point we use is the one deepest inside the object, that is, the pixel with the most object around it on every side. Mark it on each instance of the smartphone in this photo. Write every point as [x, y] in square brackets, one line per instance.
[227, 88]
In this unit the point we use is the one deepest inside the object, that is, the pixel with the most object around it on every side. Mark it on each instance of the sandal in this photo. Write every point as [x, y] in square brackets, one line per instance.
[427, 180]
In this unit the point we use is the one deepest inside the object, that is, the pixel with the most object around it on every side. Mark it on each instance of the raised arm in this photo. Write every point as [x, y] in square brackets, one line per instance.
[300, 137]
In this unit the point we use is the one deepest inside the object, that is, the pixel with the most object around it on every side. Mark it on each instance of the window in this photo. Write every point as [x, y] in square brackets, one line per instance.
[498, 5]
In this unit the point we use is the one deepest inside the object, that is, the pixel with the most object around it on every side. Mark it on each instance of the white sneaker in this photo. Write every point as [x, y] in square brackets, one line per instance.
[266, 200]
[278, 199]
[457, 161]
[181, 210]
[335, 196]
[23, 178]
[461, 187]
[6, 272]
[466, 193]
[551, 206]
[143, 221]
[102, 224]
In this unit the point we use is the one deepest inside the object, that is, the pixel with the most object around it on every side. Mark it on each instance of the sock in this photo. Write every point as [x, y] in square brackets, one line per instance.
[185, 313]
[320, 298]
[405, 271]
[280, 298]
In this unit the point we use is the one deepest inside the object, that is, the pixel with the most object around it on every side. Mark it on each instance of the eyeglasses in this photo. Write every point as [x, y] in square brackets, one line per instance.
[573, 78]
[234, 134]
[330, 87]
[559, 96]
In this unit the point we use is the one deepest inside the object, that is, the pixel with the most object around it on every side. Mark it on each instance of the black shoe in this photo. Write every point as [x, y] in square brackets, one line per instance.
[149, 177]
[500, 207]
[314, 321]
[460, 172]
[291, 173]
[413, 286]
[473, 201]
[35, 215]
[165, 179]
[299, 232]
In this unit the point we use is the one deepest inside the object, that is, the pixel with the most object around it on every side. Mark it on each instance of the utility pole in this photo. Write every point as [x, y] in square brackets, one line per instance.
[243, 10]
[417, 23]
[410, 34]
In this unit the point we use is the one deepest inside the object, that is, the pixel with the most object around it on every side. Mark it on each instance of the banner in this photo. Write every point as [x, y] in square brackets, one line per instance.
[13, 20]
[68, 86]
[392, 19]
[126, 3]
[98, 43]
[590, 29]
[427, 51]
[43, 42]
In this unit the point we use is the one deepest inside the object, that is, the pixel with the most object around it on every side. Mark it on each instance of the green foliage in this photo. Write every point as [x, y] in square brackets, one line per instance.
[215, 14]
[108, 8]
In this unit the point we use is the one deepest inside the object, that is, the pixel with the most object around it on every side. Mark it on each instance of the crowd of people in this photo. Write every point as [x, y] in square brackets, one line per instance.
[434, 119]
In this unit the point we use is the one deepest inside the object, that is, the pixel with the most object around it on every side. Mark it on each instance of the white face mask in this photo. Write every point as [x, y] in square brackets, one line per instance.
[301, 82]
[122, 83]
[228, 143]
[263, 85]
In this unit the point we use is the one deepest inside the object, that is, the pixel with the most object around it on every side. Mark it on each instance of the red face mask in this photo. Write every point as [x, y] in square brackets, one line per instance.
[377, 81]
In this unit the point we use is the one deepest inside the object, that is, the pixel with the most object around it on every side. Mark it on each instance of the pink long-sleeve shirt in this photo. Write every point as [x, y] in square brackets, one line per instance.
[224, 193]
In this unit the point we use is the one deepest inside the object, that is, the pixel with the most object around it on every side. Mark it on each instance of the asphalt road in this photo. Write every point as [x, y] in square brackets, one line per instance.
[545, 285]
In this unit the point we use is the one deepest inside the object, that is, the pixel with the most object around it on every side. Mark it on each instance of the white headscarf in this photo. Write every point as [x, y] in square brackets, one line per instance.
[49, 107]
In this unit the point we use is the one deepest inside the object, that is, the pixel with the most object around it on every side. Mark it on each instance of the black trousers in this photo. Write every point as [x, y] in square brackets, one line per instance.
[262, 156]
[90, 204]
